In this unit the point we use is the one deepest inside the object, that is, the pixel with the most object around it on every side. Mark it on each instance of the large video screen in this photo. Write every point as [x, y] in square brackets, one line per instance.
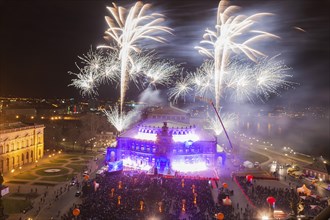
[115, 166]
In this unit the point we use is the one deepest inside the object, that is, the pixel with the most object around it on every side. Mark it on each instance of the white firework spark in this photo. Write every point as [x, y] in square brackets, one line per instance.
[126, 29]
[92, 59]
[110, 68]
[243, 80]
[223, 41]
[228, 120]
[86, 82]
[181, 89]
[202, 79]
[88, 76]
[271, 76]
[160, 73]
[97, 69]
[120, 120]
[261, 80]
[239, 82]
[101, 68]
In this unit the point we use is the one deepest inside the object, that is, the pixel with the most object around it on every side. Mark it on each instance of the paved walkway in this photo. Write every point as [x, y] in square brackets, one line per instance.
[49, 202]
[225, 176]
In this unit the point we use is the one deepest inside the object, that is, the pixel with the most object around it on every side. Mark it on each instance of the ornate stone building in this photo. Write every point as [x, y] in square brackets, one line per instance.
[167, 140]
[20, 144]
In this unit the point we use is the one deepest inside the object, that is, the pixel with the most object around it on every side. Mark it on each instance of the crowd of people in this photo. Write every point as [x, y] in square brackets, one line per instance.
[287, 199]
[137, 195]
[127, 195]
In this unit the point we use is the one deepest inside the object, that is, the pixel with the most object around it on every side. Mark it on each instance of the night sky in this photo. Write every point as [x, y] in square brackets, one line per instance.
[40, 41]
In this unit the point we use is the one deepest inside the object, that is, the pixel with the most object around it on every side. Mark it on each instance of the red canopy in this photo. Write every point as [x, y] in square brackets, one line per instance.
[271, 200]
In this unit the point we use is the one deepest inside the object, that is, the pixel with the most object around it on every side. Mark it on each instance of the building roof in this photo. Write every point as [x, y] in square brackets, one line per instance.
[168, 110]
[202, 134]
[319, 165]
[9, 127]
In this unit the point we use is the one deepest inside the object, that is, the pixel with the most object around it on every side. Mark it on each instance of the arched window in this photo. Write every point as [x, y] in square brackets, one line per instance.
[1, 166]
[7, 163]
[22, 158]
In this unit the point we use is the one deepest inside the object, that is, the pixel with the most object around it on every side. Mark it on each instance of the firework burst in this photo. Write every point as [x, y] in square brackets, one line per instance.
[271, 76]
[120, 120]
[97, 69]
[160, 73]
[181, 89]
[88, 75]
[242, 80]
[126, 29]
[223, 41]
[202, 79]
[229, 121]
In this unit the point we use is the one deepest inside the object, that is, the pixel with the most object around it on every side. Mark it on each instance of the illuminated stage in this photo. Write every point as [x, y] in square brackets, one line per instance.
[166, 143]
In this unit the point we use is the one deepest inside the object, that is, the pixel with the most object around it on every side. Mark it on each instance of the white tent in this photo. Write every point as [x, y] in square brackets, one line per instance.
[248, 164]
[304, 190]
[226, 201]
